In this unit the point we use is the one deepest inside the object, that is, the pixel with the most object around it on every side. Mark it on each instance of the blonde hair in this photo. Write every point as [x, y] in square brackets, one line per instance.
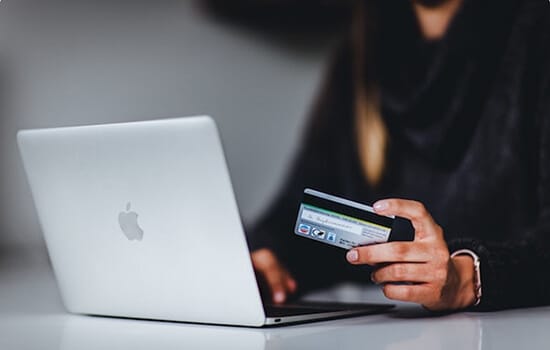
[371, 132]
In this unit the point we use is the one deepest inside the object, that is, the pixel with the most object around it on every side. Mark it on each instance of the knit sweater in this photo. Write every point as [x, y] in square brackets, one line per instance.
[469, 128]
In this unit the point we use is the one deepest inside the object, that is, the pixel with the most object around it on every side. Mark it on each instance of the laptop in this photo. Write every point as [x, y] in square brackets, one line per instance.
[140, 221]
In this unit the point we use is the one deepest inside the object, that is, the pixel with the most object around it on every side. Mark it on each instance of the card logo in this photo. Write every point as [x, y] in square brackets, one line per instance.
[331, 237]
[129, 224]
[318, 233]
[304, 229]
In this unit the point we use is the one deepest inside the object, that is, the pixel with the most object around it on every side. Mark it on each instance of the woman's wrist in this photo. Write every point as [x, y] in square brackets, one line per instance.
[466, 291]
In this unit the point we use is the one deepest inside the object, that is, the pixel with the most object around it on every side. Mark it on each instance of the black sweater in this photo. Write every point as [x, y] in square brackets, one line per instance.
[469, 124]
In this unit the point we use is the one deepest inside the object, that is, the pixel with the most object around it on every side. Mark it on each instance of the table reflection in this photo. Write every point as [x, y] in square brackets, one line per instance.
[378, 331]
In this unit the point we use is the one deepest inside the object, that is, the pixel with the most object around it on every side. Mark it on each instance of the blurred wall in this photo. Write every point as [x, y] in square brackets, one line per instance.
[80, 62]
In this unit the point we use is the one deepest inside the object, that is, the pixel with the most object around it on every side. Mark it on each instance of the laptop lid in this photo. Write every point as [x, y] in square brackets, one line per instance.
[140, 220]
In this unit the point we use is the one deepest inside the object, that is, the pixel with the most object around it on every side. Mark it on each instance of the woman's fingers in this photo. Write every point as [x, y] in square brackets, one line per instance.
[389, 252]
[279, 282]
[277, 285]
[404, 272]
[434, 279]
[417, 293]
[422, 221]
[290, 283]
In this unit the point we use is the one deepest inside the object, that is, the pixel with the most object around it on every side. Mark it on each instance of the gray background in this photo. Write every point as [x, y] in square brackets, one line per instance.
[80, 62]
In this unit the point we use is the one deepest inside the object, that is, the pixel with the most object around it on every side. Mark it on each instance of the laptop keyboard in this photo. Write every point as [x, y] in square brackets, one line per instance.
[306, 308]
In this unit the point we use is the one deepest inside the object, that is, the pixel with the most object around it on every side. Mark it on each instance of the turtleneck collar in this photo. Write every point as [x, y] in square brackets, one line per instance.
[432, 92]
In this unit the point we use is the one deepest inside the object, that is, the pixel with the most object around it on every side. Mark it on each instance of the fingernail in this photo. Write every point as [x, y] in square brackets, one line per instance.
[380, 205]
[352, 255]
[292, 285]
[279, 297]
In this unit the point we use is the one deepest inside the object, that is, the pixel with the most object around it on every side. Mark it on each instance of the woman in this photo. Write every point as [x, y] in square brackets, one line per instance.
[441, 108]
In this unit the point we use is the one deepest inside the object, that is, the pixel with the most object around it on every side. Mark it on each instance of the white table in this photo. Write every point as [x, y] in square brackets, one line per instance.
[32, 317]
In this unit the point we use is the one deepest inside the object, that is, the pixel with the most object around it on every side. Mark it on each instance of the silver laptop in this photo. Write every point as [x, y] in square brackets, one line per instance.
[140, 221]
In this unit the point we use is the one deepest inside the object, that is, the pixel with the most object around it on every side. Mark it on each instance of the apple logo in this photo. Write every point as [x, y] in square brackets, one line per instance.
[129, 225]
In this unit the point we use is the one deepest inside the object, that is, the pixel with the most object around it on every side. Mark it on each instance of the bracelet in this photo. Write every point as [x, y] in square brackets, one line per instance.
[477, 272]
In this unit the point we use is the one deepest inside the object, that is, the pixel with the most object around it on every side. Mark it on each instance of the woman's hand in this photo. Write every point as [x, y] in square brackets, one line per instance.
[272, 275]
[435, 280]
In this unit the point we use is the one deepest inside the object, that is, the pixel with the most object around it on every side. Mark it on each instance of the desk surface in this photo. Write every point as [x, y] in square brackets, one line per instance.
[32, 317]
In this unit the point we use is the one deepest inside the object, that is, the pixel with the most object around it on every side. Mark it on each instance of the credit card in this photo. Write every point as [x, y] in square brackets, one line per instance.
[344, 223]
